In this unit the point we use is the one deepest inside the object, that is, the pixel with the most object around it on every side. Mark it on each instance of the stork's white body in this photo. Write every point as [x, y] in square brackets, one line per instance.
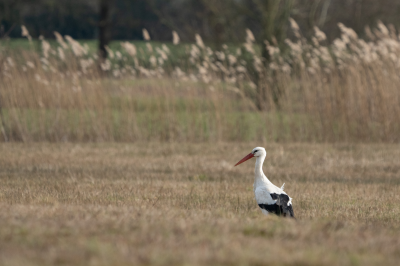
[269, 197]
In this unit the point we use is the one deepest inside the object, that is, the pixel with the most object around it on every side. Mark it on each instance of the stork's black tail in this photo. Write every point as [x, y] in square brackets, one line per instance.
[290, 210]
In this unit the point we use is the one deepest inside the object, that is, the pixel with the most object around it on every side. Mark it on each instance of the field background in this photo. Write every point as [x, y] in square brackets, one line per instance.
[185, 204]
[129, 160]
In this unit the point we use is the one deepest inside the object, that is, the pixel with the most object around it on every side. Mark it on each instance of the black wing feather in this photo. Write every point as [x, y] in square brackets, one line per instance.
[281, 206]
[274, 208]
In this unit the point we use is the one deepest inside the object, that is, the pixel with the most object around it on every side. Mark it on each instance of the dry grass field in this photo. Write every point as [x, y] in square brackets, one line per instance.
[184, 204]
[129, 160]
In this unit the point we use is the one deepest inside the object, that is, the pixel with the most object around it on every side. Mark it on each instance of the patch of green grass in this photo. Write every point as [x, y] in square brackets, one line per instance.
[150, 120]
[176, 51]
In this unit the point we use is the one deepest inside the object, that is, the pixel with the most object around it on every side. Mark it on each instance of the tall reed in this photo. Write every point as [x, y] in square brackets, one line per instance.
[344, 91]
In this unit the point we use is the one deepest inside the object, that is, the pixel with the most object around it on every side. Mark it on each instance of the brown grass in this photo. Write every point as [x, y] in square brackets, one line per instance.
[311, 91]
[171, 204]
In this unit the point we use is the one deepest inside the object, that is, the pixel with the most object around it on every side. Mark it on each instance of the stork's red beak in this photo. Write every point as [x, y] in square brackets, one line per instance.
[249, 156]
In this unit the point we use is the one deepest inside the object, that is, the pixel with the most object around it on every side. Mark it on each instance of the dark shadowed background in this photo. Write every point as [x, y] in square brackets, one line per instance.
[215, 21]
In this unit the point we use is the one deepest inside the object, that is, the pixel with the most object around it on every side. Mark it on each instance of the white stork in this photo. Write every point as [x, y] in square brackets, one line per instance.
[269, 197]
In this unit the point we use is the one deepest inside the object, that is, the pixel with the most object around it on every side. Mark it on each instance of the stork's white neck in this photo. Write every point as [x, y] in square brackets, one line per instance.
[258, 171]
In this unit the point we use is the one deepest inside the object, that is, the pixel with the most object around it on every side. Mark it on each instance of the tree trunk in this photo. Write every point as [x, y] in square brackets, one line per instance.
[104, 35]
[275, 16]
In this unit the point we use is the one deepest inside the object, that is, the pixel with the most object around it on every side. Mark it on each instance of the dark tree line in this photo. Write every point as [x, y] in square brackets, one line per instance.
[216, 21]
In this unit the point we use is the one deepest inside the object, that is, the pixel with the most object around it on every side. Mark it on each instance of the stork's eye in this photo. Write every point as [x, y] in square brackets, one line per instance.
[255, 151]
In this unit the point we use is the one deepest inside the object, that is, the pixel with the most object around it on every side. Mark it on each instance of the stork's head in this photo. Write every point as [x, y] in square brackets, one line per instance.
[256, 152]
